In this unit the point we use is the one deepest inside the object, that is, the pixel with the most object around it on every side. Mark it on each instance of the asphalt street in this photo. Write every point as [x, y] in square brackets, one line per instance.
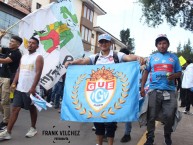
[53, 131]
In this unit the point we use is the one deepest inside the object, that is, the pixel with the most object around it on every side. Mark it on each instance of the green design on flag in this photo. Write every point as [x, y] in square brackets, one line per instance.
[56, 27]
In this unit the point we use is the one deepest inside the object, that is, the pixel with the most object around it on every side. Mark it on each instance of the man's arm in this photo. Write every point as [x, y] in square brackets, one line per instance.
[144, 79]
[132, 57]
[80, 61]
[39, 68]
[174, 76]
[15, 80]
[5, 60]
[2, 33]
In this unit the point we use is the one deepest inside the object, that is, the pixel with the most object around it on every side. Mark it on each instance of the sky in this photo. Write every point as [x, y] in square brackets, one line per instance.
[123, 14]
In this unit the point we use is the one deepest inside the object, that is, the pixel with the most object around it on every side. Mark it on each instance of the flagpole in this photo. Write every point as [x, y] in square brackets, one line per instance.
[13, 25]
[3, 32]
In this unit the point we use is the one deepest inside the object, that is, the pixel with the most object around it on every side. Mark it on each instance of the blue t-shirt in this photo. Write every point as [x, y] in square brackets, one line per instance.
[159, 66]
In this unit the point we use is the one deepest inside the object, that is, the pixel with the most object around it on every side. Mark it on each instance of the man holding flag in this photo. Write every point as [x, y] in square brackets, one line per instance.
[10, 58]
[106, 56]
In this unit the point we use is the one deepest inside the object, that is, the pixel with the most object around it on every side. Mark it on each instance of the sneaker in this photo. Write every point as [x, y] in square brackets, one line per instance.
[168, 140]
[32, 132]
[93, 128]
[3, 126]
[126, 138]
[149, 141]
[5, 135]
[187, 112]
[52, 103]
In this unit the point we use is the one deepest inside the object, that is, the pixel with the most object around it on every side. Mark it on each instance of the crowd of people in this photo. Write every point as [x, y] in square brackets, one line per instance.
[162, 70]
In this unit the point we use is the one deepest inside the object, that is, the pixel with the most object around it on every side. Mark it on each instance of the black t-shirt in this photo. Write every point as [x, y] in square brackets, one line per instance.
[8, 69]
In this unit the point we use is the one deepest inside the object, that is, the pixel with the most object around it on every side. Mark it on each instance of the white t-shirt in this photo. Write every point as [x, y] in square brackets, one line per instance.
[27, 72]
[106, 59]
[187, 81]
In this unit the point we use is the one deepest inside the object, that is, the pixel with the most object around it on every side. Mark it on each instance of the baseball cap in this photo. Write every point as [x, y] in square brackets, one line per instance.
[105, 37]
[160, 38]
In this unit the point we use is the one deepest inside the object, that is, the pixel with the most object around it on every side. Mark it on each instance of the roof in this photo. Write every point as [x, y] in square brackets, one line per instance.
[96, 7]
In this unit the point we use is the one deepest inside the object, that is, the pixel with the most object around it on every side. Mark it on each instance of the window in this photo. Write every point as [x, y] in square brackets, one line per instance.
[89, 35]
[82, 31]
[91, 15]
[85, 11]
[86, 34]
[38, 5]
[88, 14]
[7, 20]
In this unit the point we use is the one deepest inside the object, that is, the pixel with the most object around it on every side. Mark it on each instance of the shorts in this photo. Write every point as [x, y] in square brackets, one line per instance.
[107, 128]
[22, 99]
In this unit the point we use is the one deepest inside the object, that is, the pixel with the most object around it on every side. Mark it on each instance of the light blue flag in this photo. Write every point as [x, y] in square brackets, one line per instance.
[39, 103]
[191, 89]
[101, 93]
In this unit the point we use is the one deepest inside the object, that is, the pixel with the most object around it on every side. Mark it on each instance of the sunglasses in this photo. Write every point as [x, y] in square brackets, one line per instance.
[103, 41]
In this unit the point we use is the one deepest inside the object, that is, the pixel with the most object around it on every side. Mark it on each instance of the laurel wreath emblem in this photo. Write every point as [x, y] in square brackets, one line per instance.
[111, 110]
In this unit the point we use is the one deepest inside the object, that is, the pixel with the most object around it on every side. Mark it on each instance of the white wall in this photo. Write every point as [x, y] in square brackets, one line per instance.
[78, 9]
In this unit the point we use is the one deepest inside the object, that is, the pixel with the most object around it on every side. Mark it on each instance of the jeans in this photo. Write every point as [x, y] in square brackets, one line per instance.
[128, 127]
[57, 92]
[168, 108]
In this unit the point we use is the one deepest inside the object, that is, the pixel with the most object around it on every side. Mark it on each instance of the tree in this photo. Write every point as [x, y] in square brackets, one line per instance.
[173, 11]
[186, 52]
[125, 38]
[179, 48]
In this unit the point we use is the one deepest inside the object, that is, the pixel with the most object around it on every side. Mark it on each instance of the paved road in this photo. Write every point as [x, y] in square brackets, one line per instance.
[52, 131]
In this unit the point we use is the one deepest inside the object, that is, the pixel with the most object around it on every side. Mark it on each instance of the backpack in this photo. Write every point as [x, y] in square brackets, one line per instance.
[115, 57]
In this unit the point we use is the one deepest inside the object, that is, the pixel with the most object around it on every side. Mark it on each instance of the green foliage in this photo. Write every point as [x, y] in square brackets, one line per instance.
[154, 51]
[186, 51]
[125, 38]
[173, 11]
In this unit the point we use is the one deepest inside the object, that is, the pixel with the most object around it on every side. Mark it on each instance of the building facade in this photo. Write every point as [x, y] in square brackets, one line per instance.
[11, 11]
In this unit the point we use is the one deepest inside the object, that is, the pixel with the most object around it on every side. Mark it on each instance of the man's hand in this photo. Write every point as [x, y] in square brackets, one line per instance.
[2, 33]
[171, 76]
[141, 60]
[32, 91]
[13, 87]
[142, 92]
[67, 64]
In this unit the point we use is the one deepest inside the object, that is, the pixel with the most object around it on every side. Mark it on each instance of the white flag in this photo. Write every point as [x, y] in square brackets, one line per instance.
[56, 27]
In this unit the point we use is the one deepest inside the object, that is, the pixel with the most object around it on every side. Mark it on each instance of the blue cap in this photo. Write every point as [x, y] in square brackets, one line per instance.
[105, 37]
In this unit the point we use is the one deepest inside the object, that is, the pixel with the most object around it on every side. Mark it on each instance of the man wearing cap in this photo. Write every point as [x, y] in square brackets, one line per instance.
[105, 57]
[163, 67]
